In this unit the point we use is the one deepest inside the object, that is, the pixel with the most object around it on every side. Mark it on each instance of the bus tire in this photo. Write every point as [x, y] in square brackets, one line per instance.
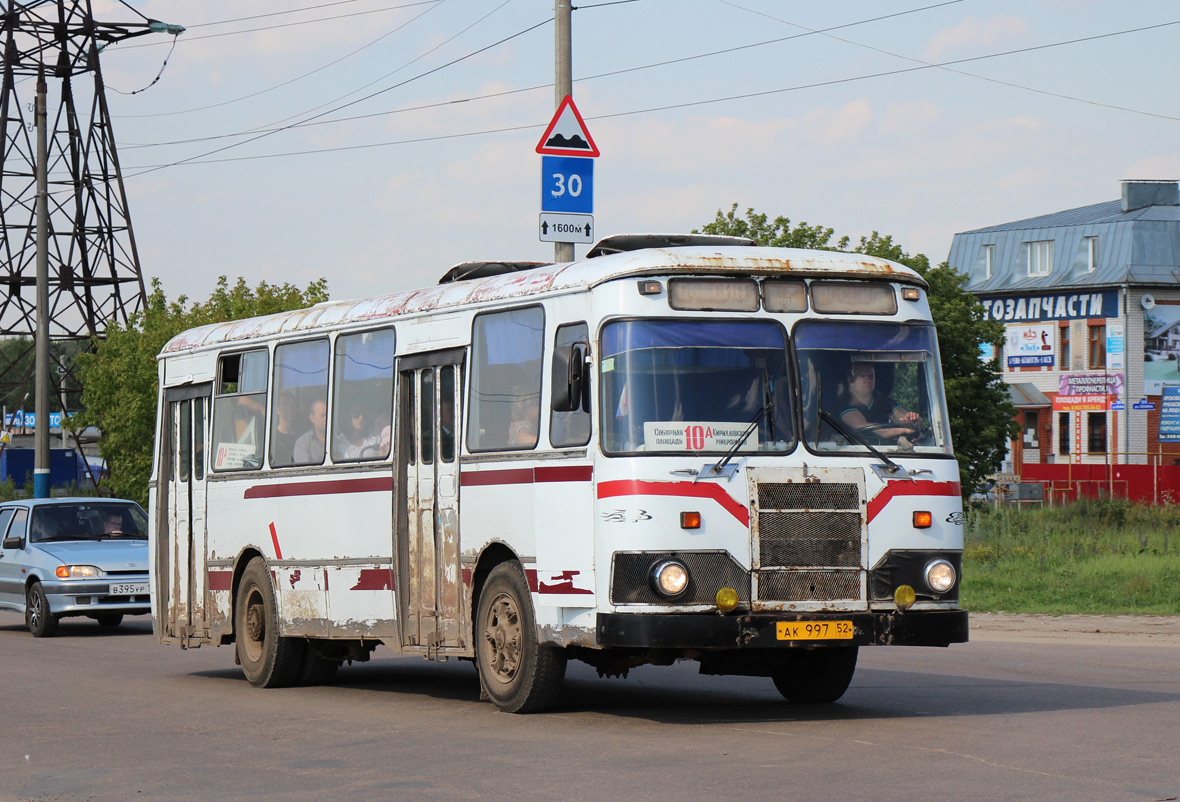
[517, 673]
[38, 617]
[268, 659]
[315, 669]
[816, 676]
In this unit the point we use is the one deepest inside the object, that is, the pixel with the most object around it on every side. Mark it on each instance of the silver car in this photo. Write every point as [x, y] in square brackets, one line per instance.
[71, 557]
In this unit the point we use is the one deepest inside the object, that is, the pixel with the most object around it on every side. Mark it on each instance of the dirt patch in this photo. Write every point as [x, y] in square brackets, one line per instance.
[1124, 630]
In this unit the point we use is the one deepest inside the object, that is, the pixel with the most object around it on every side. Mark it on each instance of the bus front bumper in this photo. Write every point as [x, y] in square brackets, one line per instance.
[708, 631]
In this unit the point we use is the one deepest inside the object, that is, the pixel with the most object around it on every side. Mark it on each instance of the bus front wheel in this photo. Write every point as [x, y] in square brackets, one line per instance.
[816, 676]
[519, 674]
[268, 659]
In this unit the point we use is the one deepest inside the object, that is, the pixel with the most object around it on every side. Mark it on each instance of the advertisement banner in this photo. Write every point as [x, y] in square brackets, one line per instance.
[1083, 403]
[1029, 346]
[1170, 415]
[1115, 346]
[1090, 384]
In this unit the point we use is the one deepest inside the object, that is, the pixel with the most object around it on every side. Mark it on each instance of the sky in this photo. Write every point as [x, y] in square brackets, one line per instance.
[379, 142]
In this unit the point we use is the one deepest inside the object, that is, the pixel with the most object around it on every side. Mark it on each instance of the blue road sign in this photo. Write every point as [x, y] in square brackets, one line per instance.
[567, 184]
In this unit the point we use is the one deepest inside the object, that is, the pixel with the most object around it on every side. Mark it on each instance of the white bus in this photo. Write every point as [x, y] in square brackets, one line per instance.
[679, 447]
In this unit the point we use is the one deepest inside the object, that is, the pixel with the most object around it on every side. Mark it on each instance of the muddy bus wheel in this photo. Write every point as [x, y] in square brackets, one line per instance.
[519, 674]
[816, 676]
[268, 660]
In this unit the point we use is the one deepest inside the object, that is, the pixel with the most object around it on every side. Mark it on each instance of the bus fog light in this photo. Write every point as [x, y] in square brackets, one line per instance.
[904, 597]
[940, 576]
[727, 600]
[670, 578]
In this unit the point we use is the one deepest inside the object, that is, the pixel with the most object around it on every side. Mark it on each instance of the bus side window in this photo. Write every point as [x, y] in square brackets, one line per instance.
[239, 412]
[504, 409]
[362, 396]
[299, 400]
[571, 428]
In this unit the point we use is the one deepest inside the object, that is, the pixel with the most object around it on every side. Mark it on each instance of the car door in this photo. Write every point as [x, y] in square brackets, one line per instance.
[12, 584]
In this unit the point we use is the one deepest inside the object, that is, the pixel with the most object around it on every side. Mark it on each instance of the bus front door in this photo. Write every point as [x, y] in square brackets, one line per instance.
[429, 578]
[181, 567]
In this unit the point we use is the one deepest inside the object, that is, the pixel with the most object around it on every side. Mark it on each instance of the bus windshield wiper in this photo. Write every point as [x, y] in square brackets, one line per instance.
[767, 409]
[836, 424]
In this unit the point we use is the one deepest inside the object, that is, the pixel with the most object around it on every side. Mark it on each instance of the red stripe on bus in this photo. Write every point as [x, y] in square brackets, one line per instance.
[565, 473]
[374, 579]
[634, 487]
[563, 583]
[370, 485]
[274, 538]
[220, 580]
[894, 489]
[530, 574]
[513, 476]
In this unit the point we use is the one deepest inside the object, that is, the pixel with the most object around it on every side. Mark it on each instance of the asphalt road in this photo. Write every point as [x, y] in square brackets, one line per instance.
[110, 715]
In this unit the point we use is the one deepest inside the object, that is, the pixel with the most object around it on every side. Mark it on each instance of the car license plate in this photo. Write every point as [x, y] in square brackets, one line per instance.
[129, 589]
[813, 630]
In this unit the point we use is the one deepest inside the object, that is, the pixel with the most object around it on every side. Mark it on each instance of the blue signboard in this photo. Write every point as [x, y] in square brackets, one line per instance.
[567, 184]
[1143, 403]
[1170, 415]
[1051, 306]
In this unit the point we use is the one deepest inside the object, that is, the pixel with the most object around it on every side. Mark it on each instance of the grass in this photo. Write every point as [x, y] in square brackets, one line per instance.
[1093, 557]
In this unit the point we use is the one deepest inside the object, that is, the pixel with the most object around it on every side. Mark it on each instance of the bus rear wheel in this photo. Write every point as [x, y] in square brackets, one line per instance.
[268, 659]
[519, 674]
[816, 676]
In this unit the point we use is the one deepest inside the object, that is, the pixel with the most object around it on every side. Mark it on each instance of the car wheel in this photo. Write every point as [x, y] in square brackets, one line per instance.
[268, 659]
[519, 674]
[110, 620]
[816, 676]
[40, 621]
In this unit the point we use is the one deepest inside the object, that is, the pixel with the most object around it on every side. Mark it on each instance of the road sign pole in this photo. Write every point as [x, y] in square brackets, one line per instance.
[563, 87]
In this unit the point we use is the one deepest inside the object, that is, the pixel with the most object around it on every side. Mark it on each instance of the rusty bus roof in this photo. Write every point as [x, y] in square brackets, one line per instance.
[553, 278]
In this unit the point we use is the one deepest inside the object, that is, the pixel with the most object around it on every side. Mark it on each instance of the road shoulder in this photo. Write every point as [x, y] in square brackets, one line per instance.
[1122, 630]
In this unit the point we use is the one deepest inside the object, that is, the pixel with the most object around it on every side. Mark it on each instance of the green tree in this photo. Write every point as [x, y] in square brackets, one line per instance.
[981, 412]
[120, 380]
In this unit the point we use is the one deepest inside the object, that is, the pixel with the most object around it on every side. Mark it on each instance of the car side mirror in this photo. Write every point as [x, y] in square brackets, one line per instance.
[14, 543]
[569, 377]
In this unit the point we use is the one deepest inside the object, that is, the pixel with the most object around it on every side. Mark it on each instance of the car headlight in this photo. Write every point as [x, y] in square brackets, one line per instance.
[77, 571]
[940, 576]
[669, 578]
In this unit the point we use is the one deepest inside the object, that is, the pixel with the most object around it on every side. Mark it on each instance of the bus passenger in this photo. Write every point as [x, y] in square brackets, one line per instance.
[862, 408]
[282, 441]
[353, 440]
[525, 410]
[309, 448]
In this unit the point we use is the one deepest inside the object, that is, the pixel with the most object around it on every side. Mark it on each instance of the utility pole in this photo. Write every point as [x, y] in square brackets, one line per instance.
[563, 85]
[41, 358]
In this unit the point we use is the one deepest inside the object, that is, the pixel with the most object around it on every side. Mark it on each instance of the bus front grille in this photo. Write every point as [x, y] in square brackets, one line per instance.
[808, 541]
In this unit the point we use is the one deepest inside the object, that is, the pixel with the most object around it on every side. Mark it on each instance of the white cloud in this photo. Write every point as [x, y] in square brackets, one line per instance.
[972, 34]
[905, 118]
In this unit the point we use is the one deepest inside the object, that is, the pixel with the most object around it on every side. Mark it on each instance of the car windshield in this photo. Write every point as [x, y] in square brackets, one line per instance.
[87, 521]
[676, 386]
[872, 383]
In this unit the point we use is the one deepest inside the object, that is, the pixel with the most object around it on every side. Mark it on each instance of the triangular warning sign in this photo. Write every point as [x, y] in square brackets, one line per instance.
[567, 134]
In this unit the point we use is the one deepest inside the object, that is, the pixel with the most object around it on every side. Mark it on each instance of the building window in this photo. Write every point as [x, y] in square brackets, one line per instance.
[989, 260]
[1096, 422]
[1098, 346]
[1065, 346]
[1032, 437]
[1091, 253]
[1063, 433]
[1040, 257]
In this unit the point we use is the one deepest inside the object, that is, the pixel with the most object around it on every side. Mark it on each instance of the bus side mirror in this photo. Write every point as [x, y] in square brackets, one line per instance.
[569, 376]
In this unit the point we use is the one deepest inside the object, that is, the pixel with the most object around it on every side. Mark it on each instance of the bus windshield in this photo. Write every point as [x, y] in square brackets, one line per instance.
[676, 386]
[871, 383]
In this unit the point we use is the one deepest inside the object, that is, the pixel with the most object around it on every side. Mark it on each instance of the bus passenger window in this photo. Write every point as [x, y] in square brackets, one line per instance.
[446, 421]
[571, 428]
[300, 402]
[362, 396]
[426, 416]
[505, 406]
[239, 412]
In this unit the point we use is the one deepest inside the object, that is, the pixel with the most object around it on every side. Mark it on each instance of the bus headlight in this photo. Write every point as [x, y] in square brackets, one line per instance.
[940, 576]
[669, 578]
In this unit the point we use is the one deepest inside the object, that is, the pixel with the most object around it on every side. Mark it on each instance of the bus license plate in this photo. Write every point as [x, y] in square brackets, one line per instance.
[813, 630]
[129, 589]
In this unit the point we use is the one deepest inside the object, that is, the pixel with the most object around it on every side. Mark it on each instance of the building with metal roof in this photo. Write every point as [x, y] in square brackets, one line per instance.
[1090, 300]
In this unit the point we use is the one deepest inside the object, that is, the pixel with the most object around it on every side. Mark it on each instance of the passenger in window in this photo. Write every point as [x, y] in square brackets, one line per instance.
[355, 440]
[287, 431]
[247, 412]
[309, 448]
[863, 409]
[525, 410]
